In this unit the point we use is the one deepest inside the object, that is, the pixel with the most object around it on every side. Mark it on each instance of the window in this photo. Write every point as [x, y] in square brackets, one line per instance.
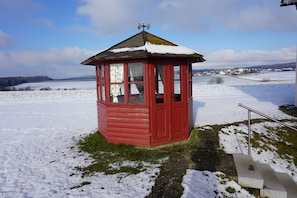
[116, 72]
[103, 84]
[190, 81]
[135, 82]
[126, 83]
[177, 83]
[159, 83]
[100, 83]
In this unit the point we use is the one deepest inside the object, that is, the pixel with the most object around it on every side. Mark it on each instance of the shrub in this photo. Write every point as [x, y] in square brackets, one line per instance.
[265, 80]
[28, 88]
[216, 80]
[45, 89]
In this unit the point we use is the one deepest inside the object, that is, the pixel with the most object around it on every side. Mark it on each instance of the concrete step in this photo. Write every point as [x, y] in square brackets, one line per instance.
[288, 183]
[247, 172]
[273, 188]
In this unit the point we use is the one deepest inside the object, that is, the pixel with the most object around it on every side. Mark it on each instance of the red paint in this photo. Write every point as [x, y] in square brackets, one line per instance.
[149, 123]
[151, 104]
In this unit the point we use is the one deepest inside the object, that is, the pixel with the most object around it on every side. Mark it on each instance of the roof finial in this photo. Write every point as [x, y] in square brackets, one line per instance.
[143, 26]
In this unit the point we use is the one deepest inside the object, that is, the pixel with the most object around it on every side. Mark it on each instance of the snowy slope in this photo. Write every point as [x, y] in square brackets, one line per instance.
[36, 130]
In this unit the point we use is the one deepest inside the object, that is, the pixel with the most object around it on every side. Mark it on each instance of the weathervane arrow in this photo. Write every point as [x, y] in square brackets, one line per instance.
[143, 26]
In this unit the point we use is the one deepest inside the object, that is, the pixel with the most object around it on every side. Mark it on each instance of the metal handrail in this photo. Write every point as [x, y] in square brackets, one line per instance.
[263, 115]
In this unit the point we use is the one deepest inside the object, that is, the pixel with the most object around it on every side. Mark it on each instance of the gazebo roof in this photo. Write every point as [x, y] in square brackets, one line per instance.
[141, 45]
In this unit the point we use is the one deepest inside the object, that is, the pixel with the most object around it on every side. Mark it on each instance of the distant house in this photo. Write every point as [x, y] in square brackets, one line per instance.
[144, 90]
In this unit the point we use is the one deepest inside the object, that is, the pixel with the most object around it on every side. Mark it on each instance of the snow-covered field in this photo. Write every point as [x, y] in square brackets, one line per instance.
[37, 130]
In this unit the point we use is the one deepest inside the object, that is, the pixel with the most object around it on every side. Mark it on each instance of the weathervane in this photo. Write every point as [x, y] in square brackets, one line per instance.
[143, 26]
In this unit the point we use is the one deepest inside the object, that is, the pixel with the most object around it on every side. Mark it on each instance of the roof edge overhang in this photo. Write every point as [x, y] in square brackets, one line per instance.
[187, 58]
[144, 45]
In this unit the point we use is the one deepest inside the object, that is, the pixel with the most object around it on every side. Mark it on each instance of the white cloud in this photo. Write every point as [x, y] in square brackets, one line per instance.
[229, 58]
[5, 40]
[61, 63]
[253, 15]
[256, 15]
[111, 16]
[55, 63]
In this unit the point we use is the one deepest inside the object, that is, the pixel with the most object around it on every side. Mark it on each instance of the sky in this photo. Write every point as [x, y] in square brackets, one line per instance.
[52, 37]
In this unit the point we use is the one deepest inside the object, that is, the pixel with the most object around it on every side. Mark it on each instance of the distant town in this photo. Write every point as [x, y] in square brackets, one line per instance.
[246, 70]
[7, 82]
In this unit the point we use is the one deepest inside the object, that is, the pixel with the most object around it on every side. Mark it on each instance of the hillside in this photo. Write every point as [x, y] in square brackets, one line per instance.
[13, 81]
[280, 66]
[39, 129]
[275, 66]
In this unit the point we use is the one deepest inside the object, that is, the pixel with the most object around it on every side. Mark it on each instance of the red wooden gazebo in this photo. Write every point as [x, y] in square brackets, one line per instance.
[144, 91]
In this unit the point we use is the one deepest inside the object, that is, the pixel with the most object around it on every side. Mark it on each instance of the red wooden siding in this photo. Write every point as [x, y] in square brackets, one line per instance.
[178, 130]
[102, 125]
[150, 123]
[160, 134]
[190, 115]
[128, 125]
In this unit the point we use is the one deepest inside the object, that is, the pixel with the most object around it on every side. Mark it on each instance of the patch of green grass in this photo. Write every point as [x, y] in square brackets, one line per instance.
[115, 158]
[280, 139]
[230, 190]
[287, 145]
[289, 109]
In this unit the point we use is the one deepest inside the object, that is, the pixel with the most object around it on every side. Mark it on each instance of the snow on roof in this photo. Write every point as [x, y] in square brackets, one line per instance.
[157, 49]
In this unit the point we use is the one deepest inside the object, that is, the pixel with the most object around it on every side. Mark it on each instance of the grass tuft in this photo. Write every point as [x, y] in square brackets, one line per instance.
[116, 158]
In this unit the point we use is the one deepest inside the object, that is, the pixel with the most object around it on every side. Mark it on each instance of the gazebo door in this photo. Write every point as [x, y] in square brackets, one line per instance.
[169, 111]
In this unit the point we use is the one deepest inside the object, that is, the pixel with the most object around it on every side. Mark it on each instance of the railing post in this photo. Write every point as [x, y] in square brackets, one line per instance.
[249, 132]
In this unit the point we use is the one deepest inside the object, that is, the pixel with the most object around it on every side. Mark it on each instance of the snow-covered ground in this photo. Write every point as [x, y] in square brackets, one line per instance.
[37, 130]
[218, 104]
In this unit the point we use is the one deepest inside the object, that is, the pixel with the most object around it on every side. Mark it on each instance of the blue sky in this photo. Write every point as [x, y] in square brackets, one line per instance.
[52, 37]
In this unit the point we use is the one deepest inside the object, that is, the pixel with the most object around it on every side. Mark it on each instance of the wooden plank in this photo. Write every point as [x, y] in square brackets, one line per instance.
[190, 115]
[127, 135]
[131, 109]
[128, 120]
[122, 130]
[128, 112]
[127, 115]
[127, 126]
[102, 124]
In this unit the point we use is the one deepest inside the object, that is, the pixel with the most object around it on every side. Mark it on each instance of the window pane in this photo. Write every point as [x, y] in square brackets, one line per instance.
[116, 93]
[189, 81]
[177, 83]
[136, 92]
[103, 93]
[135, 72]
[102, 84]
[98, 82]
[135, 82]
[116, 73]
[159, 83]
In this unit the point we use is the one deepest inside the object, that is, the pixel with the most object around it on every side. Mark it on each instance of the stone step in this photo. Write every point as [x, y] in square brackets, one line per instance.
[273, 188]
[247, 172]
[288, 183]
